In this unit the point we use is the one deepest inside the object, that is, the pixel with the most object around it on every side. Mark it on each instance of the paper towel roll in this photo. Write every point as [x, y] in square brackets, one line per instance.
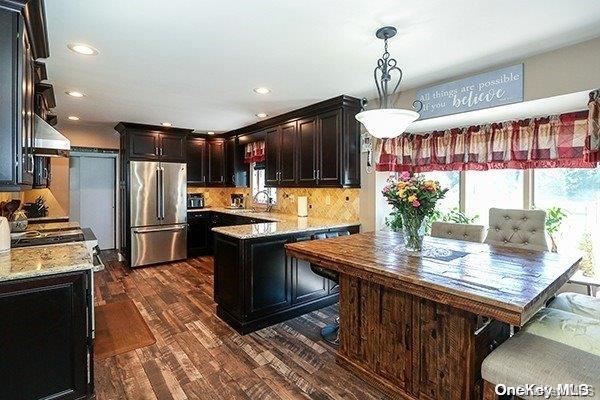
[4, 235]
[302, 206]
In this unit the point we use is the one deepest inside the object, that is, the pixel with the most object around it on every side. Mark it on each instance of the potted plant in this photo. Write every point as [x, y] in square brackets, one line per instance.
[413, 199]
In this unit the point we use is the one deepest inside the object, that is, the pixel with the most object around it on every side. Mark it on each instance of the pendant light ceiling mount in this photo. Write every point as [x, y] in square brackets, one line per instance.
[387, 122]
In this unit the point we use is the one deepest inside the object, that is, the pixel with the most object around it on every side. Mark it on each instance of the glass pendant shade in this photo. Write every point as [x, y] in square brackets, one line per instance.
[387, 123]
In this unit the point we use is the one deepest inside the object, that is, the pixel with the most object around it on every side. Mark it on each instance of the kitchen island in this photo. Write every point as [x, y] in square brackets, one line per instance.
[46, 315]
[256, 284]
[410, 322]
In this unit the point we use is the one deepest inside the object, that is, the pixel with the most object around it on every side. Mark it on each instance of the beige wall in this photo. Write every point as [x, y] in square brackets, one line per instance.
[567, 70]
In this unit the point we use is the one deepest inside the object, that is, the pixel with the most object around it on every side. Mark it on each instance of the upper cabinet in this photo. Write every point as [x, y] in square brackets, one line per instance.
[216, 162]
[316, 146]
[236, 173]
[153, 143]
[196, 161]
[23, 39]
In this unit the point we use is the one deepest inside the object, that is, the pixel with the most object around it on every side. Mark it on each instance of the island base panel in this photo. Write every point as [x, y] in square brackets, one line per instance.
[412, 347]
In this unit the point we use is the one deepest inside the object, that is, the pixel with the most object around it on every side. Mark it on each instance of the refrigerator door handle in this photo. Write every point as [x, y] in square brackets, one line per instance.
[165, 229]
[158, 192]
[162, 193]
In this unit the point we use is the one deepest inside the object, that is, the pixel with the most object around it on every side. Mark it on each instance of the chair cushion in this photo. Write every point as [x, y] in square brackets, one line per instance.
[579, 304]
[449, 230]
[571, 329]
[529, 359]
[517, 228]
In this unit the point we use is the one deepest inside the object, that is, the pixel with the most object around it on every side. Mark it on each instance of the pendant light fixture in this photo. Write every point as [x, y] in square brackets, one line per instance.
[387, 122]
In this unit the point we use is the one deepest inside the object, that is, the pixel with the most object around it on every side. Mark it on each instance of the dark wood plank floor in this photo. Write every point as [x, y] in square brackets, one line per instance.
[197, 356]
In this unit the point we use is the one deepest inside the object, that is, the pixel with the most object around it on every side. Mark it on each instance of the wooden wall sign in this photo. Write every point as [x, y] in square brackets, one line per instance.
[490, 89]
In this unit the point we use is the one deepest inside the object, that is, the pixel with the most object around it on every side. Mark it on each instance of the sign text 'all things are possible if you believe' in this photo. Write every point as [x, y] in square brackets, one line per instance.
[490, 89]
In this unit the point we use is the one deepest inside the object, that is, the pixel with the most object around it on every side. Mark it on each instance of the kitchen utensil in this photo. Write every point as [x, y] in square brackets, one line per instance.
[4, 235]
[18, 221]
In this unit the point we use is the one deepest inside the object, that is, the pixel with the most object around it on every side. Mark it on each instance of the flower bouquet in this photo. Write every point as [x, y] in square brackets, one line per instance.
[413, 199]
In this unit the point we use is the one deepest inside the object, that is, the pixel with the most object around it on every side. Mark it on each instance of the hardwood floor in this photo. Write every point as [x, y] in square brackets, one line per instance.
[197, 356]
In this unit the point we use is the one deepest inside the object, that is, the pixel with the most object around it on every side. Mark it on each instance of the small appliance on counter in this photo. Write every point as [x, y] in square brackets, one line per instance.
[195, 201]
[4, 235]
[237, 201]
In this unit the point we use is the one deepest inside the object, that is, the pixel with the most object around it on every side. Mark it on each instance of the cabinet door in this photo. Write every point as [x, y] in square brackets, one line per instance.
[268, 278]
[236, 174]
[198, 234]
[272, 146]
[27, 133]
[196, 161]
[287, 155]
[306, 151]
[41, 172]
[45, 338]
[172, 148]
[144, 145]
[216, 162]
[329, 148]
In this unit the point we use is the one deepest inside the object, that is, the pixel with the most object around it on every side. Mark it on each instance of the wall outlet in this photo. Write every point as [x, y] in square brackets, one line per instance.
[328, 200]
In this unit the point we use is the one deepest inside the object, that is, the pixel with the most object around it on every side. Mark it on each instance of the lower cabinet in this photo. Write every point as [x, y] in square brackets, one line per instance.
[258, 285]
[46, 337]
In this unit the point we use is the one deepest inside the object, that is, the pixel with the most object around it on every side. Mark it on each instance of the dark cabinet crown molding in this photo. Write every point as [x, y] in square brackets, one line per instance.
[121, 127]
[35, 21]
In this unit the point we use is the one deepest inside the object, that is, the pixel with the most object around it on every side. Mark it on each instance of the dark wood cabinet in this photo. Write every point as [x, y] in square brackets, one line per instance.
[173, 148]
[257, 284]
[153, 143]
[328, 149]
[42, 168]
[272, 160]
[216, 162]
[316, 146]
[196, 161]
[236, 174]
[18, 51]
[47, 337]
[307, 151]
[199, 234]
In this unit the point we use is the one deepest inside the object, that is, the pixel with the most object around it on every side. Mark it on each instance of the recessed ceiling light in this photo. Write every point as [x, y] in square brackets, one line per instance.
[75, 94]
[81, 48]
[166, 124]
[262, 90]
[261, 115]
[73, 118]
[210, 132]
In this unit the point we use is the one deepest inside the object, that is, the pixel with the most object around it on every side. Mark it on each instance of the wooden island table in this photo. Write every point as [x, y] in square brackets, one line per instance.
[412, 324]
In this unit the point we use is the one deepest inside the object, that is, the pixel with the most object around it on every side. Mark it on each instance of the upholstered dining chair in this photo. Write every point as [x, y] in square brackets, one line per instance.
[524, 229]
[450, 230]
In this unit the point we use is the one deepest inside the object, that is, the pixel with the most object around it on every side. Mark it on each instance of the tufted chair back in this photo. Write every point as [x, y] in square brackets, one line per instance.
[524, 229]
[450, 230]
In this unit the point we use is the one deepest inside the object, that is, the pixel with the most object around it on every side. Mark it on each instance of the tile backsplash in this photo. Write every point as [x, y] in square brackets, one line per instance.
[339, 204]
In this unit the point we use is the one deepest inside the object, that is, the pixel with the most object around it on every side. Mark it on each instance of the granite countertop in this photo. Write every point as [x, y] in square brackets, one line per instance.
[281, 224]
[27, 262]
[52, 226]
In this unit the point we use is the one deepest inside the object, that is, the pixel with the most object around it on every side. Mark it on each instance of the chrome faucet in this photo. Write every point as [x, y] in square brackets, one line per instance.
[269, 200]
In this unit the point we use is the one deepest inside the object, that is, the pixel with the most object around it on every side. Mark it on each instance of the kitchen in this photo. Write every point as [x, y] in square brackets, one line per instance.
[158, 242]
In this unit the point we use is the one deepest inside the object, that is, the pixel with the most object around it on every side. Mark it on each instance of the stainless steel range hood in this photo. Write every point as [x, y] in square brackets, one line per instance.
[48, 141]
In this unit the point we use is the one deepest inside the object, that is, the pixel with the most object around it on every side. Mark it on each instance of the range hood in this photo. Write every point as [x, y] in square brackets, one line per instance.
[48, 141]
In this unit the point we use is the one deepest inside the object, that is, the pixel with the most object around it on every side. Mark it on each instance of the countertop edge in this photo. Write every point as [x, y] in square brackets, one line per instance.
[223, 230]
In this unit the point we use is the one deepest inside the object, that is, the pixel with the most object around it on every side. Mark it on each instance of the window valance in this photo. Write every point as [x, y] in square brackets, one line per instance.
[255, 152]
[568, 140]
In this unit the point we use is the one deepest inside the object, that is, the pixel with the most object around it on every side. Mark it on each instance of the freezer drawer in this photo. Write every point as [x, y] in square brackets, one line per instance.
[158, 244]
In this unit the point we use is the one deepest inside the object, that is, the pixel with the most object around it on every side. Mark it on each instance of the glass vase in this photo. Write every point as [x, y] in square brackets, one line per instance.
[413, 230]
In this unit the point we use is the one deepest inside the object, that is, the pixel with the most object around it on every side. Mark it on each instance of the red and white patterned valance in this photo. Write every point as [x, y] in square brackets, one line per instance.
[255, 152]
[567, 140]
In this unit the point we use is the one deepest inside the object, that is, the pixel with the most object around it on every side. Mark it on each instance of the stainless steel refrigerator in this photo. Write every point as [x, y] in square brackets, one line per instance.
[158, 212]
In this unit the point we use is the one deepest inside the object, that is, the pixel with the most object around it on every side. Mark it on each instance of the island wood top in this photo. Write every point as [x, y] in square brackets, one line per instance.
[507, 284]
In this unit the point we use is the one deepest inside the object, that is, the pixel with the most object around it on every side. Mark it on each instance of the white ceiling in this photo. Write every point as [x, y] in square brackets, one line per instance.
[194, 62]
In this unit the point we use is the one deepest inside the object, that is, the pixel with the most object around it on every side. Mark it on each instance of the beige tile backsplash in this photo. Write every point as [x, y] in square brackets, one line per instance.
[337, 204]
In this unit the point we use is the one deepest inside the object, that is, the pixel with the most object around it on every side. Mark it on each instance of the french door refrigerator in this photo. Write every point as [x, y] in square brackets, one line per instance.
[158, 212]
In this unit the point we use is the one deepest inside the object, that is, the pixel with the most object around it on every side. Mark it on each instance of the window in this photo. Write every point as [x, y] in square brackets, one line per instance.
[502, 188]
[258, 185]
[451, 181]
[577, 193]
